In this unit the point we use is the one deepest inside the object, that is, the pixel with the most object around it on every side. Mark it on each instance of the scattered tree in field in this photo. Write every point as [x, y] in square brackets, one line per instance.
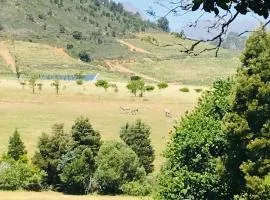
[137, 137]
[247, 124]
[56, 84]
[117, 165]
[162, 85]
[33, 83]
[102, 83]
[49, 153]
[135, 85]
[16, 148]
[194, 155]
[163, 24]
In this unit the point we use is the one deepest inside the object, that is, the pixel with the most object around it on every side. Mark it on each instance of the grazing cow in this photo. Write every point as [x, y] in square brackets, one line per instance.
[124, 110]
[167, 113]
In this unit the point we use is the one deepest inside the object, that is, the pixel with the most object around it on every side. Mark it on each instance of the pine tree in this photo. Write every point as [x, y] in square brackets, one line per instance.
[85, 136]
[247, 125]
[16, 147]
[50, 150]
[137, 137]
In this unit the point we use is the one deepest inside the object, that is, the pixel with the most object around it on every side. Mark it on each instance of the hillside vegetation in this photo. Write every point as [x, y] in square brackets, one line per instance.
[49, 37]
[78, 25]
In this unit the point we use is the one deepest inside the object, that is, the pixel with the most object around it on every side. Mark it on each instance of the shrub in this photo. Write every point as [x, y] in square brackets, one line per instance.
[137, 188]
[79, 82]
[162, 85]
[198, 90]
[16, 175]
[149, 88]
[137, 137]
[184, 89]
[70, 46]
[117, 165]
[84, 56]
[135, 78]
[77, 35]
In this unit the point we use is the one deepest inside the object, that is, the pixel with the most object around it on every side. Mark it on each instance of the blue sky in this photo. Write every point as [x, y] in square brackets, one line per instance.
[178, 23]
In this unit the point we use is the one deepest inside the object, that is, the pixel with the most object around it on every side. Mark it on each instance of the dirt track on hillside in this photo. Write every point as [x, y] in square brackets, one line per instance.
[5, 54]
[132, 47]
[117, 66]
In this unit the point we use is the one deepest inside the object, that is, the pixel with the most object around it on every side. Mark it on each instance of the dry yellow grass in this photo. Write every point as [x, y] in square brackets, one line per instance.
[33, 114]
[20, 195]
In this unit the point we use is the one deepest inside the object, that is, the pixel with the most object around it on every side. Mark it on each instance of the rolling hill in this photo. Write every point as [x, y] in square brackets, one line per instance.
[47, 37]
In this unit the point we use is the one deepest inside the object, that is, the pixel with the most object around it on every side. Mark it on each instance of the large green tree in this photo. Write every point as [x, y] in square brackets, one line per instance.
[78, 166]
[50, 150]
[117, 165]
[248, 123]
[137, 137]
[85, 136]
[16, 148]
[194, 167]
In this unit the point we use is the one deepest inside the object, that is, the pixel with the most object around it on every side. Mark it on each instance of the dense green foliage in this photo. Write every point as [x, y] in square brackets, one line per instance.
[50, 150]
[194, 168]
[102, 83]
[221, 149]
[247, 123]
[137, 85]
[77, 168]
[16, 148]
[137, 137]
[19, 175]
[117, 165]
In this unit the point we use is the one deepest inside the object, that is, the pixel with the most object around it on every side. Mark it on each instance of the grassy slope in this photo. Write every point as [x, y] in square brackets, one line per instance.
[169, 64]
[40, 21]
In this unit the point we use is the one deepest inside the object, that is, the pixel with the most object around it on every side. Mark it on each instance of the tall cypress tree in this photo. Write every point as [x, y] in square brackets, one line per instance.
[247, 126]
[137, 137]
[16, 147]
